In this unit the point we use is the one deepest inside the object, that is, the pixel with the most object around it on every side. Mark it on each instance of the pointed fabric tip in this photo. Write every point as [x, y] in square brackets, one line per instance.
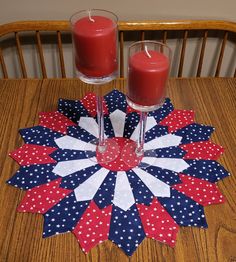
[93, 227]
[40, 135]
[72, 109]
[41, 198]
[31, 176]
[126, 229]
[194, 133]
[201, 191]
[163, 111]
[209, 170]
[115, 100]
[63, 216]
[202, 150]
[89, 102]
[55, 121]
[157, 223]
[30, 154]
[178, 119]
[184, 210]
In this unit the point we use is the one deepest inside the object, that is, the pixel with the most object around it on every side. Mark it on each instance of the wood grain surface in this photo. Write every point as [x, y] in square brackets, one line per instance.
[214, 103]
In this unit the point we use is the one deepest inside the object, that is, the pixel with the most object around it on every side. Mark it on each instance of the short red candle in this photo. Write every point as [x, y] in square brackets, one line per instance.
[147, 77]
[95, 46]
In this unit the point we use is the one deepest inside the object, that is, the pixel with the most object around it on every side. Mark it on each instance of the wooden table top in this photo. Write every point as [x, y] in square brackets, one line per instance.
[214, 103]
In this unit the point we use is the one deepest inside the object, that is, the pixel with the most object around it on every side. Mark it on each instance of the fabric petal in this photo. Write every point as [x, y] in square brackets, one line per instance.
[156, 186]
[178, 119]
[164, 141]
[115, 100]
[55, 121]
[29, 154]
[93, 227]
[167, 176]
[69, 142]
[131, 122]
[173, 164]
[89, 124]
[72, 181]
[105, 194]
[66, 168]
[209, 170]
[31, 176]
[123, 195]
[141, 192]
[163, 111]
[80, 133]
[72, 109]
[151, 122]
[202, 150]
[88, 189]
[41, 198]
[170, 152]
[126, 229]
[118, 122]
[194, 133]
[64, 216]
[183, 209]
[39, 135]
[157, 223]
[90, 103]
[199, 190]
[67, 154]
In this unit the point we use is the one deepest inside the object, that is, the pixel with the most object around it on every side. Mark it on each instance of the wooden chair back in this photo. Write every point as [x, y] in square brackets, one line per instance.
[183, 30]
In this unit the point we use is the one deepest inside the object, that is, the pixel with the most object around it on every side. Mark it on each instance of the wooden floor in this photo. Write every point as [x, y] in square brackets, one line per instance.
[214, 103]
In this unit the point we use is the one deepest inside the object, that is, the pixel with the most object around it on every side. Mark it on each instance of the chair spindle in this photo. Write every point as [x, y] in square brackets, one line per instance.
[164, 36]
[200, 62]
[41, 57]
[142, 35]
[3, 65]
[62, 64]
[20, 55]
[220, 59]
[181, 63]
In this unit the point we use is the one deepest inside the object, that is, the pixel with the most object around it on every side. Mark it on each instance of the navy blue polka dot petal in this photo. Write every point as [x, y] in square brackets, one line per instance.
[28, 177]
[126, 229]
[64, 216]
[40, 135]
[72, 109]
[184, 210]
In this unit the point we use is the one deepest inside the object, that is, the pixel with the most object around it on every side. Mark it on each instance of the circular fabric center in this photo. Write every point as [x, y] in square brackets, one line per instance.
[126, 159]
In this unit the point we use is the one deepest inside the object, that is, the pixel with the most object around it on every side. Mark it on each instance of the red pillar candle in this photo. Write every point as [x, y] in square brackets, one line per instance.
[147, 77]
[95, 43]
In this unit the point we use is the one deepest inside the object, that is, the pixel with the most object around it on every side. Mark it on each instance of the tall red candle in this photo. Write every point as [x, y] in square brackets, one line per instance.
[95, 43]
[147, 77]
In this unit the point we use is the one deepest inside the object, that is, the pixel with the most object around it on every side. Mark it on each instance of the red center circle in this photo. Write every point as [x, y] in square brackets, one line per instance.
[126, 158]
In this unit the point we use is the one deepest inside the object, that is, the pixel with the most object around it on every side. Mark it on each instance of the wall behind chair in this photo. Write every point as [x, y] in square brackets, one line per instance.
[13, 10]
[126, 9]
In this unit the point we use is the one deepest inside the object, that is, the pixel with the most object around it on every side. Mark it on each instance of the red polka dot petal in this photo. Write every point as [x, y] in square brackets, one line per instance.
[30, 154]
[41, 198]
[157, 223]
[178, 119]
[202, 150]
[55, 121]
[201, 191]
[92, 231]
[89, 102]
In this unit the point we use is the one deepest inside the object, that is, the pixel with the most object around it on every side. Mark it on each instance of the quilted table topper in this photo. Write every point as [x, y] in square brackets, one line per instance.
[99, 201]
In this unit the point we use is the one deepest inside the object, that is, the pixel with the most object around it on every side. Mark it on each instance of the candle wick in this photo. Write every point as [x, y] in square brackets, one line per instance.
[90, 17]
[146, 51]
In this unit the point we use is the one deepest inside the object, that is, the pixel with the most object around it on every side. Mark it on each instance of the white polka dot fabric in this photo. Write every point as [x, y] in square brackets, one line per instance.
[100, 201]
